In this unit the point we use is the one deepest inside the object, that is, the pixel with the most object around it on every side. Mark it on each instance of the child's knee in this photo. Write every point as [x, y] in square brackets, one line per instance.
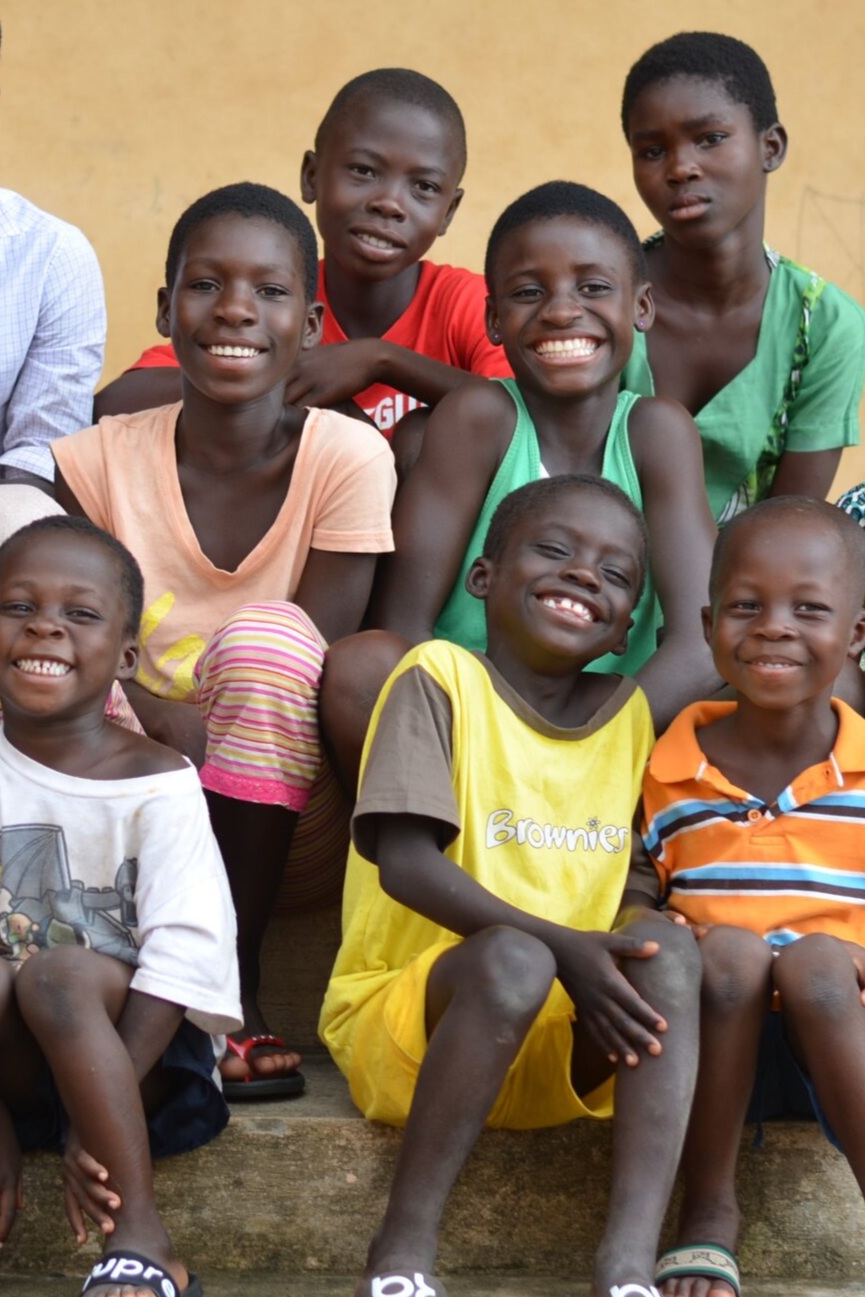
[816, 975]
[737, 966]
[512, 971]
[675, 968]
[56, 988]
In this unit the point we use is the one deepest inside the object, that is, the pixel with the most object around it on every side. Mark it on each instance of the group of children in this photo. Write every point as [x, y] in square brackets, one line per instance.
[539, 907]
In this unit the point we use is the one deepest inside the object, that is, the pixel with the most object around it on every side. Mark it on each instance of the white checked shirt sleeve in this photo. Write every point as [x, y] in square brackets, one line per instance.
[52, 332]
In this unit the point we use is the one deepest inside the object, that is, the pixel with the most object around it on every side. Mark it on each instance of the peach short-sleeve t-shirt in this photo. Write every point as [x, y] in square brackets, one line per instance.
[123, 472]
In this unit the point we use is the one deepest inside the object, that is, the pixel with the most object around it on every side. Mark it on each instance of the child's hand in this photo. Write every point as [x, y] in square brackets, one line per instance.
[85, 1186]
[620, 1021]
[323, 376]
[11, 1186]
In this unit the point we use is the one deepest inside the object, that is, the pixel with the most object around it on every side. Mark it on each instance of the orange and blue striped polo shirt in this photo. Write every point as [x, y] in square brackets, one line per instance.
[724, 856]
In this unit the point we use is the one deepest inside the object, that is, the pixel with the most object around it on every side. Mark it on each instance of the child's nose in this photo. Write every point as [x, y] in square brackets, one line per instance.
[43, 625]
[562, 307]
[682, 164]
[236, 305]
[388, 200]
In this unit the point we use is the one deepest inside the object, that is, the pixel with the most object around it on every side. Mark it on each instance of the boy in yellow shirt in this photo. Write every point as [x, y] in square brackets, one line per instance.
[481, 979]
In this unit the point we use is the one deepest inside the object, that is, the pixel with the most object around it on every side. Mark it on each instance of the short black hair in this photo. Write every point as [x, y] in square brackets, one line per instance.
[848, 531]
[252, 202]
[131, 580]
[564, 198]
[402, 86]
[708, 56]
[534, 496]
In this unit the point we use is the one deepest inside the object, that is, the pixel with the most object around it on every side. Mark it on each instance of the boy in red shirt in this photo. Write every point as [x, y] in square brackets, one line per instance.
[384, 176]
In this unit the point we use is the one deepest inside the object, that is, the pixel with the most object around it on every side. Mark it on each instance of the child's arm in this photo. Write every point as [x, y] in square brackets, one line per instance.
[415, 872]
[138, 389]
[806, 473]
[334, 591]
[339, 370]
[666, 448]
[437, 508]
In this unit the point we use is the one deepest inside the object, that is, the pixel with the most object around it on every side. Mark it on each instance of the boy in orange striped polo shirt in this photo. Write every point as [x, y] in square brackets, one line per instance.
[754, 821]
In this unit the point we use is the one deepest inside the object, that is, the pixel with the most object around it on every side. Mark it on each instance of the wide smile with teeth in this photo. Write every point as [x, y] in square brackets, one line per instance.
[234, 353]
[373, 241]
[42, 667]
[571, 606]
[568, 348]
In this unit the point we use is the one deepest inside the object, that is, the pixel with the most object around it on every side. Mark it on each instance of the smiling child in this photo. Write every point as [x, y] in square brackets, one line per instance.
[767, 356]
[754, 823]
[257, 525]
[116, 925]
[479, 980]
[567, 287]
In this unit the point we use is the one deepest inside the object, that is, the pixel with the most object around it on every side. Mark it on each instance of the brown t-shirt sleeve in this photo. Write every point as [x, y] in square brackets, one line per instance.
[408, 770]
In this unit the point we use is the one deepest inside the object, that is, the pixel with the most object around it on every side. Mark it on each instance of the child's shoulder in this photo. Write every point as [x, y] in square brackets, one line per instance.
[817, 295]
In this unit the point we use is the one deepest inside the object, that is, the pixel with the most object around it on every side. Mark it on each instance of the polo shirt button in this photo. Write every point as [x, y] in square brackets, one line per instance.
[754, 816]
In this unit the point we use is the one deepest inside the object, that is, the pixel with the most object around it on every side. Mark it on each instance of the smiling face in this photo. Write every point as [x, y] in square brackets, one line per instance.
[385, 184]
[786, 610]
[63, 633]
[699, 163]
[562, 591]
[564, 302]
[237, 311]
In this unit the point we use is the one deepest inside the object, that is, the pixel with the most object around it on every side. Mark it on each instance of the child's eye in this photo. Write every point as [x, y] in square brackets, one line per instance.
[15, 608]
[811, 607]
[526, 293]
[617, 577]
[427, 188]
[713, 138]
[595, 288]
[273, 290]
[744, 605]
[83, 614]
[651, 153]
[203, 286]
[550, 550]
[361, 169]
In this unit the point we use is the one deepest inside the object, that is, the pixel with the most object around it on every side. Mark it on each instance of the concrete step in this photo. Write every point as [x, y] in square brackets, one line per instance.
[274, 1284]
[292, 1191]
[297, 1187]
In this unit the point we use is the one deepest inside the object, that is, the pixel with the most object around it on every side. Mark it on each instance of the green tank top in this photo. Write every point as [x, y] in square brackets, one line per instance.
[462, 619]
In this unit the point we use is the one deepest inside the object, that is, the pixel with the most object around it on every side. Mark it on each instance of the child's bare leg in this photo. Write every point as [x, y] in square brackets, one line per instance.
[825, 1022]
[482, 998]
[736, 991]
[355, 668]
[653, 1100]
[20, 1066]
[254, 840]
[70, 999]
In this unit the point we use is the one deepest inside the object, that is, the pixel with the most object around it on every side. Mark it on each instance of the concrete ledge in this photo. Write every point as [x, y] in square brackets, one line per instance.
[297, 1187]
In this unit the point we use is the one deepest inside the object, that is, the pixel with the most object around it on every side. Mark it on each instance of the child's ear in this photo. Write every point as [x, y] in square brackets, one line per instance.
[163, 313]
[706, 618]
[491, 320]
[774, 147]
[857, 637]
[128, 664]
[313, 327]
[644, 308]
[451, 212]
[478, 578]
[307, 176]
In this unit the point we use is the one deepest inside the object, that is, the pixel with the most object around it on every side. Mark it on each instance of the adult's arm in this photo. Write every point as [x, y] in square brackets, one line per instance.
[53, 393]
[666, 448]
[437, 507]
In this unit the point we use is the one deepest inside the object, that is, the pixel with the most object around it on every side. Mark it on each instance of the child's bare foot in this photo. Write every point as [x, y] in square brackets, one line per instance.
[127, 1273]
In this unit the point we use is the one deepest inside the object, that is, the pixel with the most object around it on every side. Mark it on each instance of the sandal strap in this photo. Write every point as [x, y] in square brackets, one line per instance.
[704, 1260]
[634, 1290]
[131, 1268]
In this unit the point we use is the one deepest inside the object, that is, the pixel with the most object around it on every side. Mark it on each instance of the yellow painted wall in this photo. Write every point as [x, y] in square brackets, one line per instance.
[115, 114]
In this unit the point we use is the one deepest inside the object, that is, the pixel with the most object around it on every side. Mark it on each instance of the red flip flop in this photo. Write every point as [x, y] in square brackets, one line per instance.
[283, 1085]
